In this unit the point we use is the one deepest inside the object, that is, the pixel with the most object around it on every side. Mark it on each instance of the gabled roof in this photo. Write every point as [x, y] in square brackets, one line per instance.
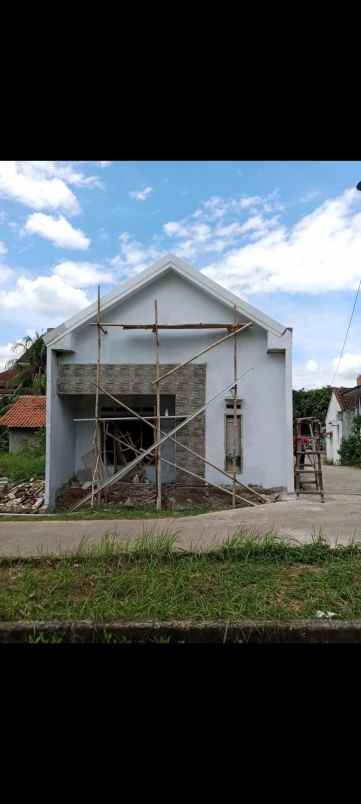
[163, 266]
[27, 411]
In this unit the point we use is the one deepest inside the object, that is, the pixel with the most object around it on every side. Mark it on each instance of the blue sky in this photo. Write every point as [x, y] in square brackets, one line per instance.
[286, 236]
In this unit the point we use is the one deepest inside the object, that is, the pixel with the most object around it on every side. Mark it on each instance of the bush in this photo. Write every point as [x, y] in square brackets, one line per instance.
[28, 462]
[350, 450]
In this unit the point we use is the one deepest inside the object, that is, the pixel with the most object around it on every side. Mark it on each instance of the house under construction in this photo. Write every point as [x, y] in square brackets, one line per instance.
[169, 380]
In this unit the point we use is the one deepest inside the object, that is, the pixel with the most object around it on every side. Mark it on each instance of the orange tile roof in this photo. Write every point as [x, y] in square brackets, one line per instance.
[27, 411]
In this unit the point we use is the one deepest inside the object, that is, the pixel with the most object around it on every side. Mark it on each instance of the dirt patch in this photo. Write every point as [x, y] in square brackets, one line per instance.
[175, 497]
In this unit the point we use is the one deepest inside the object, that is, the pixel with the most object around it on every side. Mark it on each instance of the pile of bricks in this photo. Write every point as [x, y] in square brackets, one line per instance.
[23, 497]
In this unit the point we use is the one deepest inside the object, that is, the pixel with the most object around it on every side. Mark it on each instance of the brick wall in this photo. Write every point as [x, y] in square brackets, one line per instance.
[188, 385]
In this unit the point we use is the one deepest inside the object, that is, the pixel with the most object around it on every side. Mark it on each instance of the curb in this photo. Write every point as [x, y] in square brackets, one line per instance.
[247, 631]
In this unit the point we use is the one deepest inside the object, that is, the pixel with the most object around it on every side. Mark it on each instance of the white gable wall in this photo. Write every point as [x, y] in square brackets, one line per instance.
[334, 427]
[265, 391]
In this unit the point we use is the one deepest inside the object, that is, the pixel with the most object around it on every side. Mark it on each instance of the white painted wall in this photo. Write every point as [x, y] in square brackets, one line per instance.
[266, 390]
[333, 426]
[60, 435]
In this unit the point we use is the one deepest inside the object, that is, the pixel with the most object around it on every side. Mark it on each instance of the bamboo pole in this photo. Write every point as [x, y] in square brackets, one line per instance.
[188, 449]
[125, 470]
[203, 351]
[164, 326]
[234, 413]
[97, 424]
[180, 468]
[158, 436]
[126, 418]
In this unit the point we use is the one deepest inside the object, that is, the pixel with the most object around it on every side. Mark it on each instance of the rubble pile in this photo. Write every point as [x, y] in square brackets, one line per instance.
[21, 498]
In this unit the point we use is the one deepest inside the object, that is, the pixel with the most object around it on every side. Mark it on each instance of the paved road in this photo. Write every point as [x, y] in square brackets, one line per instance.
[339, 518]
[341, 479]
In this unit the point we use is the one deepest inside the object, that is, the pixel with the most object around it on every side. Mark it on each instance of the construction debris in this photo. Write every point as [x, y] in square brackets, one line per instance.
[23, 497]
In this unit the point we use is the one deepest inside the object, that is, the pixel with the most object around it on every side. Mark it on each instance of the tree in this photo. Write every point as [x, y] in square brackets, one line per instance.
[312, 403]
[350, 450]
[30, 365]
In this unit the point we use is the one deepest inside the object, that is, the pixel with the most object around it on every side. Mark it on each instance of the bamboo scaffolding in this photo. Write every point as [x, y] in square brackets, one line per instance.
[203, 351]
[234, 413]
[180, 468]
[127, 418]
[191, 451]
[132, 464]
[97, 424]
[158, 469]
[164, 326]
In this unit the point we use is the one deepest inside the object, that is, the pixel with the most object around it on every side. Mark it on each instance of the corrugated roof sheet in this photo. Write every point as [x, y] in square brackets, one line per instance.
[27, 411]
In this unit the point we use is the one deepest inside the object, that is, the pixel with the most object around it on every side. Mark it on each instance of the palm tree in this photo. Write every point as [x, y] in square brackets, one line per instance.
[30, 365]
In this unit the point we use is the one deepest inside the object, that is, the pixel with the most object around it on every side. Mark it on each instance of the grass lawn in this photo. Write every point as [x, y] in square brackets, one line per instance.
[264, 579]
[114, 512]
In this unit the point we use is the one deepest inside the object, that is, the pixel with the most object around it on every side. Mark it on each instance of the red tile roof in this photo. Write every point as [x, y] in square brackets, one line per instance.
[27, 411]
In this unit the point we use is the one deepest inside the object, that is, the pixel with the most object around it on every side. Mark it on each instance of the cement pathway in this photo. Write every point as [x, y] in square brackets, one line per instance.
[339, 518]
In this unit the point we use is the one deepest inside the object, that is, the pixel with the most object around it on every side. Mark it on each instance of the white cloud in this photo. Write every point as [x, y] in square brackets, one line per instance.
[104, 164]
[6, 353]
[141, 195]
[217, 207]
[310, 196]
[315, 374]
[48, 298]
[199, 239]
[58, 230]
[320, 253]
[5, 273]
[133, 257]
[35, 186]
[349, 368]
[83, 274]
[60, 170]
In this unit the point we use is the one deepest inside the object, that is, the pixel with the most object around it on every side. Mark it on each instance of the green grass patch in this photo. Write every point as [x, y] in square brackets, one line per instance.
[28, 462]
[146, 579]
[115, 512]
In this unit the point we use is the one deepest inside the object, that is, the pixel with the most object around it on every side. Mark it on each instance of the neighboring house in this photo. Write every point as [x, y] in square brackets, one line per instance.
[344, 405]
[6, 384]
[264, 454]
[23, 419]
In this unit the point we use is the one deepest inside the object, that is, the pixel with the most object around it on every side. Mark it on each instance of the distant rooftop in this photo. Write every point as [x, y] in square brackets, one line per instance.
[27, 411]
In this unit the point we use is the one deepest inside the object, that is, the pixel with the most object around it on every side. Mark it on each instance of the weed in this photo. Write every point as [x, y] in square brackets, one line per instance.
[24, 464]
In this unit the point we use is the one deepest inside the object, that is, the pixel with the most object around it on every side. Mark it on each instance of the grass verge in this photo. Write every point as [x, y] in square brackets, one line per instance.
[116, 512]
[246, 578]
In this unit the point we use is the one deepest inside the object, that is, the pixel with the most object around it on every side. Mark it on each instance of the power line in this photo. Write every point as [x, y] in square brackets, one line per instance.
[346, 336]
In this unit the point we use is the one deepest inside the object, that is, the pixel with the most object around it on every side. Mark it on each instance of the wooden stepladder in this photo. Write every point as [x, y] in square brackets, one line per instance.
[307, 447]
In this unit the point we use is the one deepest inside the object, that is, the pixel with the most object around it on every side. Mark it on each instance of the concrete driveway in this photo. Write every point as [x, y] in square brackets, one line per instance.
[339, 518]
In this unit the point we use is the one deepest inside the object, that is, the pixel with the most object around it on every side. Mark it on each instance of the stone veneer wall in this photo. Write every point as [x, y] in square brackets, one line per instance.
[188, 385]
